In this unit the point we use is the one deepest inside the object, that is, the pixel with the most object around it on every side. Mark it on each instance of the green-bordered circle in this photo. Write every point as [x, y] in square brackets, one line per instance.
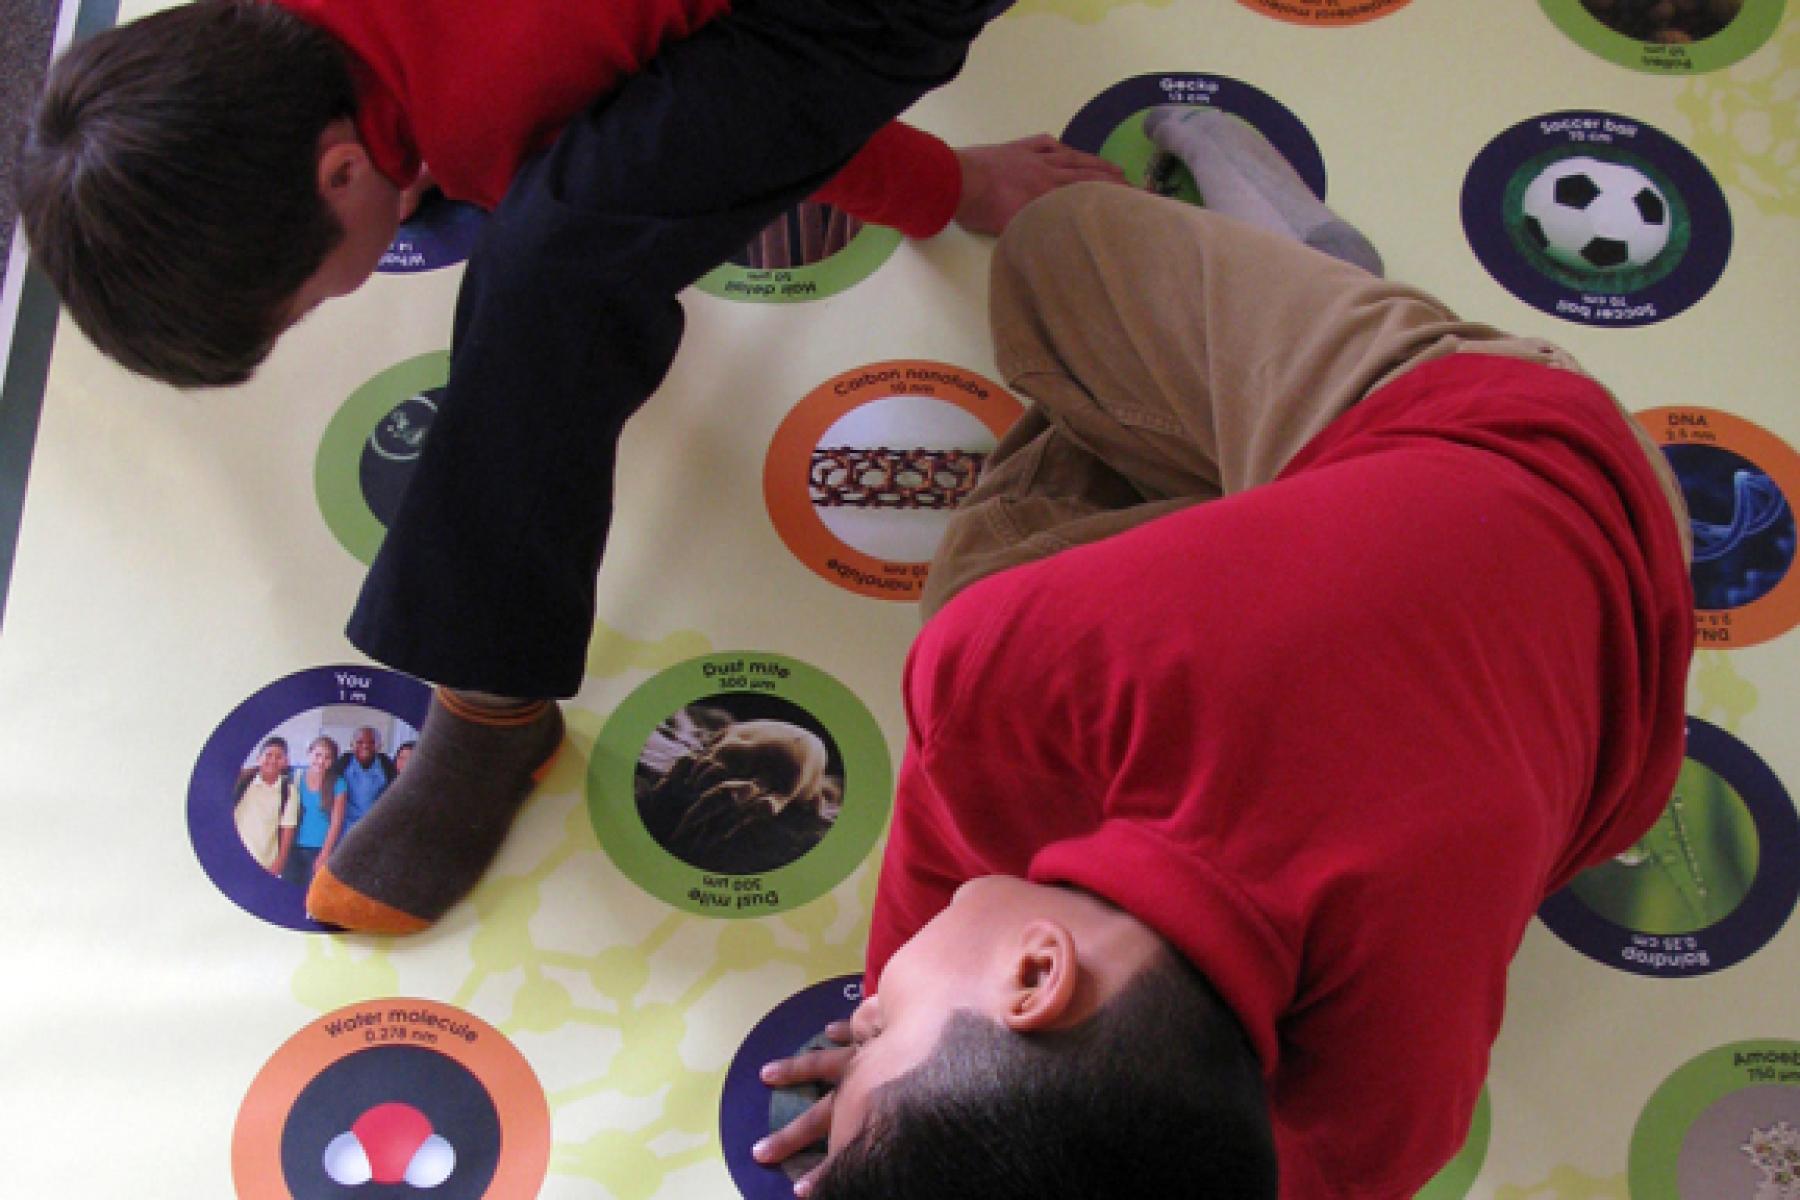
[839, 270]
[670, 733]
[1740, 37]
[337, 472]
[1458, 1175]
[1689, 1141]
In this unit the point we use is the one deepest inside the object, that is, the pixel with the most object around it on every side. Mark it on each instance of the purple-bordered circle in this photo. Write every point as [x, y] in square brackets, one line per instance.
[745, 1103]
[441, 233]
[1106, 112]
[1616, 138]
[1758, 917]
[211, 799]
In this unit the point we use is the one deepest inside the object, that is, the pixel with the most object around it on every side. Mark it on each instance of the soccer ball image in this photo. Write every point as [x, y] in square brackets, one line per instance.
[1595, 216]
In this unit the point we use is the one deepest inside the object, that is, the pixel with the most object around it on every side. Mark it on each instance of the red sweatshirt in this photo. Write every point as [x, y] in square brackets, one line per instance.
[474, 87]
[1335, 738]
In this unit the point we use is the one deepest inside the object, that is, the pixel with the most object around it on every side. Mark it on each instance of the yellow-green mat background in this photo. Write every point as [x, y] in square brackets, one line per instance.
[173, 561]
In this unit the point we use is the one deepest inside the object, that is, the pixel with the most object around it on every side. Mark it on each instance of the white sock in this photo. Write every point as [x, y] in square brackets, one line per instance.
[1243, 176]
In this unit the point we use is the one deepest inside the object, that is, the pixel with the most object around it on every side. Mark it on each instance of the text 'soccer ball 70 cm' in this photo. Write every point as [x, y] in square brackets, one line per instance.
[1592, 215]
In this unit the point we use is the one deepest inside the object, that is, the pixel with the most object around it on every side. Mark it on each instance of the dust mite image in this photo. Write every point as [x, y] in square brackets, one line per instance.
[1597, 223]
[309, 782]
[739, 783]
[1669, 22]
[1689, 872]
[1743, 525]
[392, 451]
[806, 234]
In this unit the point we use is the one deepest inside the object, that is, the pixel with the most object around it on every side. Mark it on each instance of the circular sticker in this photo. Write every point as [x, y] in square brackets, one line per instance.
[1740, 483]
[1727, 1123]
[393, 1097]
[440, 233]
[739, 785]
[809, 252]
[1112, 126]
[313, 750]
[1325, 12]
[1710, 884]
[1458, 1175]
[370, 448]
[750, 1110]
[1596, 218]
[863, 476]
[1667, 39]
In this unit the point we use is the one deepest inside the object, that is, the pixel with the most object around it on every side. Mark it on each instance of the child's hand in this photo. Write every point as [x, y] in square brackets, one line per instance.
[999, 180]
[825, 1066]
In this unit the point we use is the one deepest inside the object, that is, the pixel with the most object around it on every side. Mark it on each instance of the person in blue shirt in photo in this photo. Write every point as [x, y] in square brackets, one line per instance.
[366, 774]
[322, 802]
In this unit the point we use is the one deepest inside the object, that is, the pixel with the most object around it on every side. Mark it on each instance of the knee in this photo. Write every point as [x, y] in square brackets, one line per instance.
[1047, 248]
[1056, 221]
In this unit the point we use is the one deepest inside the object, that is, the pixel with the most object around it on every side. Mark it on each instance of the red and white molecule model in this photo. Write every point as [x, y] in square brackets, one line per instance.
[391, 1143]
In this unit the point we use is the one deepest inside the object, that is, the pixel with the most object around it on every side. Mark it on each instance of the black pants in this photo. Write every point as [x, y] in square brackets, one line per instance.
[568, 318]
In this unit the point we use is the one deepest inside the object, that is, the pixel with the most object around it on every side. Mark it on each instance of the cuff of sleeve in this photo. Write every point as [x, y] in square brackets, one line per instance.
[903, 178]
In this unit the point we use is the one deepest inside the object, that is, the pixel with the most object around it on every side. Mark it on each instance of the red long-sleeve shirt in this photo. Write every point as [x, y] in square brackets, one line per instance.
[1335, 738]
[474, 87]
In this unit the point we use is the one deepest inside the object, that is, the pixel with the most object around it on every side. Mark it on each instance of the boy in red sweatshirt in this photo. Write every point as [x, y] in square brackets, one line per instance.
[1299, 641]
[199, 180]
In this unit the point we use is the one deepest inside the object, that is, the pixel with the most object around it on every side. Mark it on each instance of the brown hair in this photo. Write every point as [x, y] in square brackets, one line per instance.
[1156, 1095]
[169, 183]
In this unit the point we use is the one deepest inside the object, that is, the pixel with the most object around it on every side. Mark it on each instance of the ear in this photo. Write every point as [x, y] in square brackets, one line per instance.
[1045, 977]
[342, 158]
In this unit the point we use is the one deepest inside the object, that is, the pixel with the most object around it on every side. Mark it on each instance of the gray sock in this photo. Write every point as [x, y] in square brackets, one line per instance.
[1242, 175]
[430, 837]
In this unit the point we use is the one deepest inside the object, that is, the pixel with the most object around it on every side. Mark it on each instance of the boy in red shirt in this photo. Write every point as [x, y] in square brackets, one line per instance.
[199, 180]
[1300, 640]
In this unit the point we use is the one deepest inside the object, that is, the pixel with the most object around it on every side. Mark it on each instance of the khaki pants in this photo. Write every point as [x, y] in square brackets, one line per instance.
[1171, 356]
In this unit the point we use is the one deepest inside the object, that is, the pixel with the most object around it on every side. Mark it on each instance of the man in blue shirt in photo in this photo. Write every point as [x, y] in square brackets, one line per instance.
[366, 772]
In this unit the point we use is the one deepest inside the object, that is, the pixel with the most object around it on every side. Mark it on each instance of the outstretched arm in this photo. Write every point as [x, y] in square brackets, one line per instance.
[1000, 179]
[912, 181]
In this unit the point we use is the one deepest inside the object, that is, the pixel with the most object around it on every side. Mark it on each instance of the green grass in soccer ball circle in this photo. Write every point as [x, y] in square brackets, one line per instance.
[1691, 870]
[1612, 282]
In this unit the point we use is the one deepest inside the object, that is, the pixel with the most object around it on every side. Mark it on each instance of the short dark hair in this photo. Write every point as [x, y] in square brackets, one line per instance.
[169, 183]
[274, 741]
[1158, 1096]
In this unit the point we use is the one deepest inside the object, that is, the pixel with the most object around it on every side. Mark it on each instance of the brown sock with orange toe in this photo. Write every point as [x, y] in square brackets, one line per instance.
[429, 839]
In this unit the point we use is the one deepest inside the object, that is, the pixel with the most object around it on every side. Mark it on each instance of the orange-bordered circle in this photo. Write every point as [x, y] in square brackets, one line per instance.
[908, 390]
[476, 1046]
[1775, 610]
